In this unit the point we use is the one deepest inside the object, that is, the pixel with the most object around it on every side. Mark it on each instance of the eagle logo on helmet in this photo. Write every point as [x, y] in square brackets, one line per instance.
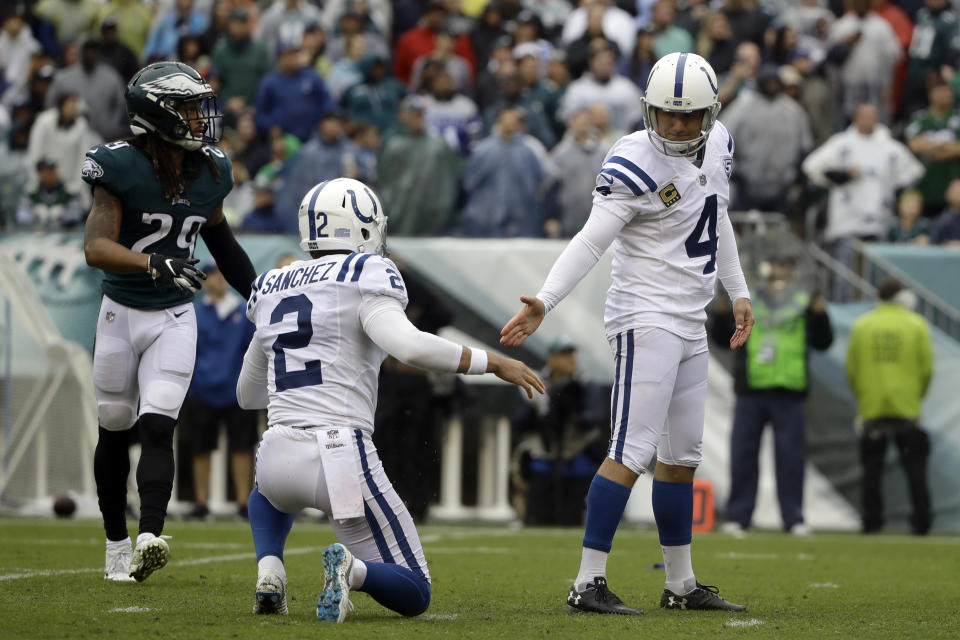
[177, 84]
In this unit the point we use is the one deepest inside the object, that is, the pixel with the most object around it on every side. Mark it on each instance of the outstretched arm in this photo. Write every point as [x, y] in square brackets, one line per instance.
[574, 263]
[384, 321]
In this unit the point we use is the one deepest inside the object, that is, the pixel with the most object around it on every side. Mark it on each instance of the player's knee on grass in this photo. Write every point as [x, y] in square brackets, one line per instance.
[115, 416]
[418, 602]
[397, 588]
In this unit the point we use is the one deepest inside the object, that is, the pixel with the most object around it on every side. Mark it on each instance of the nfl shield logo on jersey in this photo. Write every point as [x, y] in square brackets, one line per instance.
[333, 433]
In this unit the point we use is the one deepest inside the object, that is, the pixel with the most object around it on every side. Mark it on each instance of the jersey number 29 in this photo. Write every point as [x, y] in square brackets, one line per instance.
[697, 248]
[311, 373]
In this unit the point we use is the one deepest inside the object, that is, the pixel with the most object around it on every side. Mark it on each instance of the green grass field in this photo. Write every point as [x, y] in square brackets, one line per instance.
[488, 582]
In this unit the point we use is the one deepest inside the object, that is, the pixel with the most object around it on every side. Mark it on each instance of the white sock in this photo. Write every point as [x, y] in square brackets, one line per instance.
[144, 537]
[113, 544]
[678, 566]
[271, 564]
[593, 564]
[359, 574]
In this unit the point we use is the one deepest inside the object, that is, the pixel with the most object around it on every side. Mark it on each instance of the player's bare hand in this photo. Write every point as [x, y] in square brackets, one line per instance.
[743, 315]
[522, 325]
[516, 372]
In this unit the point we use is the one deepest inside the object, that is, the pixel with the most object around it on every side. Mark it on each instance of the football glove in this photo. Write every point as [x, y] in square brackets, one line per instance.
[177, 272]
[838, 177]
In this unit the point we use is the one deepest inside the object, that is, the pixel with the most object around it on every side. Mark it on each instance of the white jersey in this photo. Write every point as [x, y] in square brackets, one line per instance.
[322, 367]
[665, 257]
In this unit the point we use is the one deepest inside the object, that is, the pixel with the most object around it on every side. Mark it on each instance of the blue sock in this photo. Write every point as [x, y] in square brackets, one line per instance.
[270, 526]
[606, 501]
[397, 588]
[673, 511]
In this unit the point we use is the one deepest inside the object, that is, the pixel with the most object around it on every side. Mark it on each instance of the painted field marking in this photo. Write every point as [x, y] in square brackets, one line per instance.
[250, 555]
[749, 622]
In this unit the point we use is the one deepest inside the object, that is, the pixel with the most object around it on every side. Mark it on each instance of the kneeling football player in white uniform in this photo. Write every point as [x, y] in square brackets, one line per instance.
[661, 200]
[323, 327]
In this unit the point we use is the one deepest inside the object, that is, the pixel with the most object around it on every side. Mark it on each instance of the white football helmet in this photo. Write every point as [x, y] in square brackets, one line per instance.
[681, 82]
[342, 214]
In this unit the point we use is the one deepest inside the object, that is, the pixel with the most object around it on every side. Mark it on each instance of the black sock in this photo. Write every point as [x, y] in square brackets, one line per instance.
[111, 466]
[155, 471]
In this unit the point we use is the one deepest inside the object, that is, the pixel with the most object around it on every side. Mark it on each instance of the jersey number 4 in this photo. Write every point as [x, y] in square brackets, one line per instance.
[697, 248]
[311, 374]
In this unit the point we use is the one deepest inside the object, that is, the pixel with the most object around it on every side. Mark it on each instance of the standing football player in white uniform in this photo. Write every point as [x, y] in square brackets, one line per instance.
[323, 327]
[661, 201]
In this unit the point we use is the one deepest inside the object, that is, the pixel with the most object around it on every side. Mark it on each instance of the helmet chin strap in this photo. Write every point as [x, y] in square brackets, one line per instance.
[672, 148]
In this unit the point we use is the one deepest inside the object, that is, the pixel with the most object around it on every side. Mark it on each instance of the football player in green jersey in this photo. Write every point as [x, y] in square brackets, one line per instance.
[153, 194]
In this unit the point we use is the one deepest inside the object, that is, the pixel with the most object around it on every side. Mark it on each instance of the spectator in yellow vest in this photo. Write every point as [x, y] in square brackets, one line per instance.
[770, 380]
[889, 365]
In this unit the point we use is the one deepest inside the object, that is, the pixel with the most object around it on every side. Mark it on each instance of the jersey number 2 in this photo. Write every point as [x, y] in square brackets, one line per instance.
[311, 374]
[697, 248]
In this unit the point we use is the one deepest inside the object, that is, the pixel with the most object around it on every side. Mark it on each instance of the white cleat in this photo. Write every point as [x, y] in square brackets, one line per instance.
[149, 555]
[271, 594]
[734, 529]
[117, 563]
[334, 601]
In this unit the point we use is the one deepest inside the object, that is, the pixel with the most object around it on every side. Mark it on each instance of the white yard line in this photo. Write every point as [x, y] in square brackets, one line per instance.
[250, 555]
[47, 573]
[89, 541]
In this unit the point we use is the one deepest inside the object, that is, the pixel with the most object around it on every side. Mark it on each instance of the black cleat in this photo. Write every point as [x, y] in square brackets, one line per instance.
[597, 598]
[704, 598]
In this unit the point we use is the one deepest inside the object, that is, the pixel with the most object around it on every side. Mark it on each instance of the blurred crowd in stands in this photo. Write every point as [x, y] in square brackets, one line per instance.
[490, 118]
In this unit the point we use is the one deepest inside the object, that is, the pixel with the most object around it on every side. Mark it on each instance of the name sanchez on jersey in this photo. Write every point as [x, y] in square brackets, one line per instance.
[664, 266]
[322, 368]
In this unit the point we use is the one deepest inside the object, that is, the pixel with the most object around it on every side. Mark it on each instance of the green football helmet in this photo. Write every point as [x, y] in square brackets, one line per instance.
[169, 98]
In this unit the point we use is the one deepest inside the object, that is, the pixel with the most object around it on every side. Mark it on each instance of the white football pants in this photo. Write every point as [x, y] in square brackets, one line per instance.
[658, 401]
[142, 356]
[290, 475]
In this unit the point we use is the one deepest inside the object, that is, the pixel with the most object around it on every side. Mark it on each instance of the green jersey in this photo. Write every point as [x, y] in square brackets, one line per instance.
[151, 223]
[933, 44]
[938, 173]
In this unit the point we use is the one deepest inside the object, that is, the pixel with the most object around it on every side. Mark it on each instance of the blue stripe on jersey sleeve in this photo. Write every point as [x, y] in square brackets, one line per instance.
[357, 268]
[640, 173]
[625, 179]
[729, 142]
[346, 267]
